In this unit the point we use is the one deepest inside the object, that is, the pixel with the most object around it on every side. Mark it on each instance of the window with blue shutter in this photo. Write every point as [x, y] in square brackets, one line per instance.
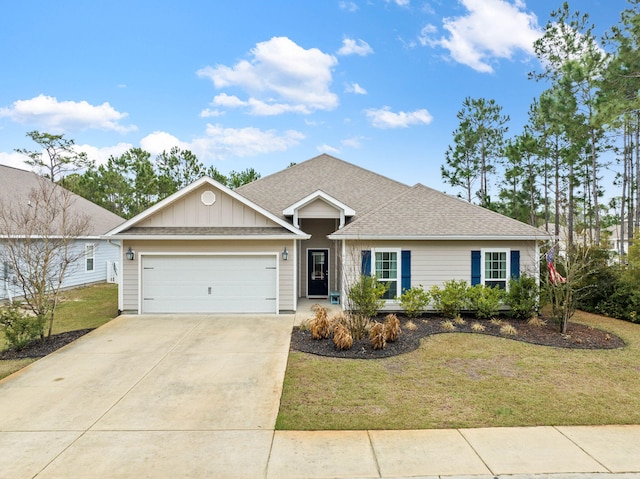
[476, 267]
[406, 271]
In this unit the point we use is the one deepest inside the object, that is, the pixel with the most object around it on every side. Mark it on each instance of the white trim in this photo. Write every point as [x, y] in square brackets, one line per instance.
[483, 252]
[209, 237]
[398, 279]
[319, 194]
[140, 256]
[192, 187]
[434, 238]
[295, 275]
[328, 260]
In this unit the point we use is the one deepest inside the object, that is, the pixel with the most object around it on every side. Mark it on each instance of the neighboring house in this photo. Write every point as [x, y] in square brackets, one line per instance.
[308, 232]
[19, 189]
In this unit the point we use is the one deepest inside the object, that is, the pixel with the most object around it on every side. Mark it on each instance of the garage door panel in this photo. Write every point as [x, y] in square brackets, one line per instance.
[209, 284]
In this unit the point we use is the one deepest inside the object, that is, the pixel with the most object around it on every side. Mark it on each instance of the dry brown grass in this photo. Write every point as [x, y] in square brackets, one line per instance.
[448, 325]
[508, 330]
[342, 337]
[319, 326]
[376, 335]
[477, 327]
[496, 321]
[411, 326]
[536, 321]
[459, 320]
[391, 328]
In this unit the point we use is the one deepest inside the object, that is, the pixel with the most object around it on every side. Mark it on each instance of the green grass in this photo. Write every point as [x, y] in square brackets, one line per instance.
[81, 308]
[466, 380]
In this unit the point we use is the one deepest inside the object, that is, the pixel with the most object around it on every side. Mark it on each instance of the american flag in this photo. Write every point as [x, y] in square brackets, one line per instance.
[554, 276]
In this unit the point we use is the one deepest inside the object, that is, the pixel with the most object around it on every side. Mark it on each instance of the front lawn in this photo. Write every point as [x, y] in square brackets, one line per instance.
[81, 308]
[468, 380]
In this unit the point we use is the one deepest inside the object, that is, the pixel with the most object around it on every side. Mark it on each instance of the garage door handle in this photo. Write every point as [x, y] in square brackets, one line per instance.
[209, 289]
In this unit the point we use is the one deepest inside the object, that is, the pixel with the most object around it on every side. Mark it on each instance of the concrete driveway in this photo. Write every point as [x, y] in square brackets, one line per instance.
[149, 396]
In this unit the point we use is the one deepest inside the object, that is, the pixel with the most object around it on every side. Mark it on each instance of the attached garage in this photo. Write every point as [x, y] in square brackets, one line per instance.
[219, 283]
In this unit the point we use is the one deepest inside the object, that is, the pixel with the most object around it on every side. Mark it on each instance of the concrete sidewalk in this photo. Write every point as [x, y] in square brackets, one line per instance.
[197, 397]
[484, 453]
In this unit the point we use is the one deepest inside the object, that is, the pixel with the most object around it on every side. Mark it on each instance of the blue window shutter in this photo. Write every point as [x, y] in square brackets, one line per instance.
[366, 263]
[476, 265]
[406, 271]
[515, 264]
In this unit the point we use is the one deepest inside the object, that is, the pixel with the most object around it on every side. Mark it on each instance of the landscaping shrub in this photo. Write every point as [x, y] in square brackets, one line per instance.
[508, 330]
[522, 297]
[342, 337]
[376, 335]
[19, 328]
[391, 328]
[414, 301]
[485, 301]
[451, 299]
[319, 325]
[366, 295]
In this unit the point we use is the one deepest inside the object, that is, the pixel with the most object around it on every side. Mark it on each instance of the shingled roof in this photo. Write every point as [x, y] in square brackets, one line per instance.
[356, 187]
[424, 213]
[17, 187]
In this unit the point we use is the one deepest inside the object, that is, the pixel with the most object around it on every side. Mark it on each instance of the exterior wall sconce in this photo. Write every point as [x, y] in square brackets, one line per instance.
[130, 254]
[285, 254]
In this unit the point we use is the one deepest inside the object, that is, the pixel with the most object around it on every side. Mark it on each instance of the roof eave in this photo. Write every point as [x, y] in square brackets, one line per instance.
[207, 237]
[437, 237]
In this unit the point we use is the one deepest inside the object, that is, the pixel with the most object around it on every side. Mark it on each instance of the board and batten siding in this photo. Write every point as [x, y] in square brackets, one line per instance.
[434, 262]
[191, 211]
[130, 270]
[318, 209]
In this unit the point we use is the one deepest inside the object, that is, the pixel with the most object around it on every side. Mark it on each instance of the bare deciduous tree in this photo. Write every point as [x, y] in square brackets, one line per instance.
[38, 232]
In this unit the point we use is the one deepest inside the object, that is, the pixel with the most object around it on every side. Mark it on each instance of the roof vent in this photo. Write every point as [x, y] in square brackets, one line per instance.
[208, 198]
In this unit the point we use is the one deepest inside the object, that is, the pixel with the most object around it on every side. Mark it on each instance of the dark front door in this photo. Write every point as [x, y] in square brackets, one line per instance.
[318, 272]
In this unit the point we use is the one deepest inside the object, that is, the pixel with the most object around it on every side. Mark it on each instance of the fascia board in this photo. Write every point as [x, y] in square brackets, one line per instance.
[435, 238]
[207, 237]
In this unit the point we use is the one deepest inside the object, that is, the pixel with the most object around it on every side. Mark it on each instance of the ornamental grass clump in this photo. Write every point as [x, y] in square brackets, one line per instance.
[391, 328]
[477, 327]
[536, 321]
[411, 326]
[448, 325]
[342, 337]
[319, 325]
[508, 330]
[376, 335]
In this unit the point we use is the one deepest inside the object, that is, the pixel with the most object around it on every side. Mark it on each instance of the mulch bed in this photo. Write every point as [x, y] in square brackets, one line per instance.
[40, 348]
[579, 336]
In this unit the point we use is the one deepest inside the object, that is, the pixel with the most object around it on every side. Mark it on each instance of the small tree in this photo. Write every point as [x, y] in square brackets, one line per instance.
[39, 230]
[366, 299]
[565, 288]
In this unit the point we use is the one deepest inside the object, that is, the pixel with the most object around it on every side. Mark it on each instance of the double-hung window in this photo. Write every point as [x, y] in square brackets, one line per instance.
[386, 269]
[89, 256]
[496, 267]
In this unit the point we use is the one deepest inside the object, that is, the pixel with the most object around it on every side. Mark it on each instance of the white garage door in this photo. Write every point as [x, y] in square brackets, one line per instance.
[209, 284]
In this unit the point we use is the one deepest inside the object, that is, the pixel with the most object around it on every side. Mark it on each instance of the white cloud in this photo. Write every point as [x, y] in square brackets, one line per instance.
[355, 88]
[280, 77]
[492, 29]
[400, 3]
[220, 142]
[208, 113]
[354, 142]
[64, 116]
[101, 155]
[327, 149]
[355, 47]
[385, 118]
[348, 6]
[159, 141]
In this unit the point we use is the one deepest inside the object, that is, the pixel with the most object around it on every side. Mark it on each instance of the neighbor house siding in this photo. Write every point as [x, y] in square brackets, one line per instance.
[76, 274]
[130, 284]
[190, 211]
[434, 262]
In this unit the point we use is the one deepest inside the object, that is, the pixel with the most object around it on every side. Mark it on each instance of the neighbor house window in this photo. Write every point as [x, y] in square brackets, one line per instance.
[90, 257]
[496, 268]
[386, 268]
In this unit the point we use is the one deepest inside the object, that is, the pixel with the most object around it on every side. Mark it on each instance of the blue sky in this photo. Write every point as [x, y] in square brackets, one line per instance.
[257, 83]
